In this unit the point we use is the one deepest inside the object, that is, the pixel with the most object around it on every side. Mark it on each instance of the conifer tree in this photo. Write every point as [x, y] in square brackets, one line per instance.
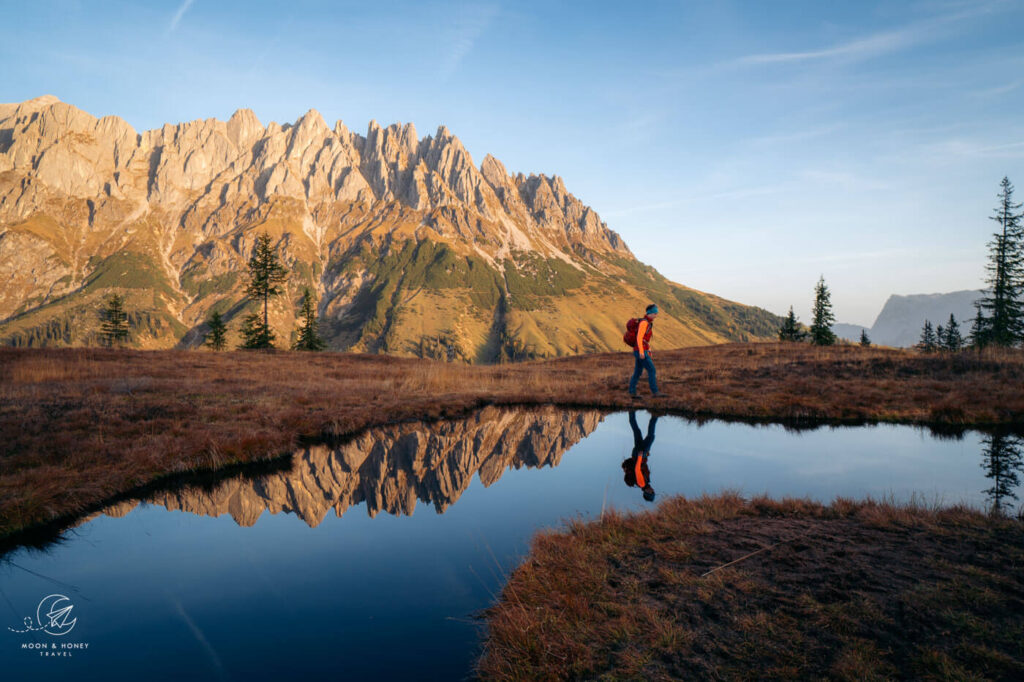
[1003, 464]
[215, 337]
[977, 337]
[309, 337]
[951, 340]
[928, 342]
[255, 334]
[115, 321]
[1004, 319]
[791, 329]
[266, 275]
[864, 340]
[821, 326]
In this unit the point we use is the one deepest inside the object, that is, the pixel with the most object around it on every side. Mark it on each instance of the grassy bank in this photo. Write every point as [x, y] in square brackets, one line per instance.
[78, 426]
[851, 591]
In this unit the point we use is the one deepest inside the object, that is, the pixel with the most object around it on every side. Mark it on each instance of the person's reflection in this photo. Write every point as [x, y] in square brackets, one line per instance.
[635, 468]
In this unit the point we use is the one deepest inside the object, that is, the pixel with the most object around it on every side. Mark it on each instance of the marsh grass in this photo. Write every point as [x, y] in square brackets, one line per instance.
[850, 591]
[78, 426]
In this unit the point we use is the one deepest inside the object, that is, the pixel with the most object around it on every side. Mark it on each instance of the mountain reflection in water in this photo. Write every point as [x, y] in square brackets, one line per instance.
[391, 468]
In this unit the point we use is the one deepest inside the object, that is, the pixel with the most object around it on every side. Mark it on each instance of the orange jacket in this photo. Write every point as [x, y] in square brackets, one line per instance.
[644, 332]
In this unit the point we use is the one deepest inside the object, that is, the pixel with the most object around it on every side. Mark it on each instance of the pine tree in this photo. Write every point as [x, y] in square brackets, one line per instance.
[821, 327]
[978, 335]
[115, 321]
[1003, 464]
[928, 342]
[791, 329]
[1005, 310]
[951, 340]
[215, 337]
[864, 340]
[266, 274]
[255, 334]
[309, 337]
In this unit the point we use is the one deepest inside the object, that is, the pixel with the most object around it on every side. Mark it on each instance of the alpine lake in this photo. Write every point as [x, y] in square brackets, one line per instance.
[373, 557]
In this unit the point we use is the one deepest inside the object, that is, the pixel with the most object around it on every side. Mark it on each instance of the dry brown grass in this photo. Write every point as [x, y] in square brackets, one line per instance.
[79, 426]
[850, 591]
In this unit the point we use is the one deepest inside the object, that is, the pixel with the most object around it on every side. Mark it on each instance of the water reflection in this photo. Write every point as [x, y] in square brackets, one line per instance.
[392, 468]
[1002, 461]
[636, 470]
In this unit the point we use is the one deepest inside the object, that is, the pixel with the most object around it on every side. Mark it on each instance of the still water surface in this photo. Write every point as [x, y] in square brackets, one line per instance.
[369, 559]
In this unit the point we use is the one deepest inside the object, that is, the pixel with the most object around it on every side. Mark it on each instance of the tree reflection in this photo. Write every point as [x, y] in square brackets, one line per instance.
[1003, 462]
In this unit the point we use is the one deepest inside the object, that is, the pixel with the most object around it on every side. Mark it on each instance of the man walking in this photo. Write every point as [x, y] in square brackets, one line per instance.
[642, 351]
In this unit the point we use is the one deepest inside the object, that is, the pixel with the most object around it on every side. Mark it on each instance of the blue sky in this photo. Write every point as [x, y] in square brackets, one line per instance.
[742, 148]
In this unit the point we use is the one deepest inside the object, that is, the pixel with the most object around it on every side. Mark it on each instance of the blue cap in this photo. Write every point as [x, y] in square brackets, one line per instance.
[652, 309]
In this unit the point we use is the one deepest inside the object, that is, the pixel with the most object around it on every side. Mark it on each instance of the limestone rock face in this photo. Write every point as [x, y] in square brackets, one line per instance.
[391, 469]
[410, 247]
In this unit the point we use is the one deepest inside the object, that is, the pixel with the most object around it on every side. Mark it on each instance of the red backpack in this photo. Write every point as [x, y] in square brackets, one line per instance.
[631, 328]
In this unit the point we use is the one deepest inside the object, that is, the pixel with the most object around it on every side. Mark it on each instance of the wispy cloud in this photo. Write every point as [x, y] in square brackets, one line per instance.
[998, 90]
[795, 136]
[862, 48]
[880, 43]
[200, 637]
[975, 149]
[469, 25]
[179, 14]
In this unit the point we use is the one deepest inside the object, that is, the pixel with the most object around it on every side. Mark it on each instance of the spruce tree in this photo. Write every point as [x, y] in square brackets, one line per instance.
[309, 337]
[255, 334]
[821, 326]
[791, 329]
[215, 337]
[1003, 464]
[266, 275]
[977, 337]
[864, 340]
[928, 342]
[1003, 306]
[115, 321]
[952, 340]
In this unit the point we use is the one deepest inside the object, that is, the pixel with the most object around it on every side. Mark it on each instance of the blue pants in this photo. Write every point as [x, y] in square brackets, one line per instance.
[642, 364]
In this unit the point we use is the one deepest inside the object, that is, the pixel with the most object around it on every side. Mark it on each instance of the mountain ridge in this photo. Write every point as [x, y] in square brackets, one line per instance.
[409, 246]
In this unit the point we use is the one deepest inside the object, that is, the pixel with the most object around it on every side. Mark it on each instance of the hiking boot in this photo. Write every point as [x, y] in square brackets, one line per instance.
[634, 396]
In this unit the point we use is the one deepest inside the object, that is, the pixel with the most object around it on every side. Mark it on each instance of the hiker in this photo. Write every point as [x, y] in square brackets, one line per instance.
[641, 342]
[635, 468]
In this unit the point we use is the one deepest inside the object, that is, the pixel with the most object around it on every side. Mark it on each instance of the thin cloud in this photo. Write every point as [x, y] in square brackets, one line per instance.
[975, 149]
[864, 48]
[999, 90]
[875, 44]
[200, 638]
[469, 26]
[179, 14]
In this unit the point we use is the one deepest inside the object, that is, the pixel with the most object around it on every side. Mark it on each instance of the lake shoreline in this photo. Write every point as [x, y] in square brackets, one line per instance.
[722, 587]
[83, 427]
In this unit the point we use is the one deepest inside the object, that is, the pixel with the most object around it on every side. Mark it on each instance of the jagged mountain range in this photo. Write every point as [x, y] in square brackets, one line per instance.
[391, 468]
[409, 247]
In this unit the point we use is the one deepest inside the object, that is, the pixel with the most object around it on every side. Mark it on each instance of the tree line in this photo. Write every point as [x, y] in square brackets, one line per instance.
[999, 315]
[267, 277]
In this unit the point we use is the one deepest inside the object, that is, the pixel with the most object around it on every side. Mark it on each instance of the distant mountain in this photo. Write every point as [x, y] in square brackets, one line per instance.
[850, 332]
[902, 317]
[409, 246]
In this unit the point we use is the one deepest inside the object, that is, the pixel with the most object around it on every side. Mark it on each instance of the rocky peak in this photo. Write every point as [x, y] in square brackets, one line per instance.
[243, 128]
